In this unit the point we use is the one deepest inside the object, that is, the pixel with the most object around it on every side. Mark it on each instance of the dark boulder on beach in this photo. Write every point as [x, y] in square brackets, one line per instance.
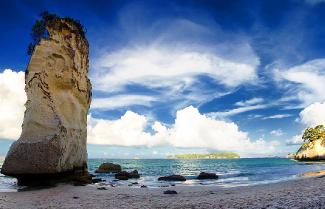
[170, 192]
[97, 180]
[204, 175]
[109, 168]
[124, 175]
[172, 178]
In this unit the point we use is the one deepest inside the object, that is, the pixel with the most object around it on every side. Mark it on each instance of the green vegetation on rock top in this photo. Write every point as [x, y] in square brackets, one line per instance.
[312, 134]
[218, 155]
[47, 19]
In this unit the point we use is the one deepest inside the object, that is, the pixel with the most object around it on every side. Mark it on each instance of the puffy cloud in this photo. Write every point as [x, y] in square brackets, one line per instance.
[12, 99]
[311, 116]
[121, 101]
[170, 67]
[277, 132]
[314, 114]
[305, 82]
[191, 129]
[295, 140]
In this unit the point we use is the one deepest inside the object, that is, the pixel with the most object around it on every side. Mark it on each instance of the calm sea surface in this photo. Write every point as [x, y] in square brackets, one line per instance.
[232, 172]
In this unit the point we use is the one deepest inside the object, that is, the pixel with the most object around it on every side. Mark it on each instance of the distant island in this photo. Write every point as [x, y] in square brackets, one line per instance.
[218, 155]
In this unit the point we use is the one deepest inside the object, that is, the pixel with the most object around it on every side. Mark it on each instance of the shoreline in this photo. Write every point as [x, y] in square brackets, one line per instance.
[298, 193]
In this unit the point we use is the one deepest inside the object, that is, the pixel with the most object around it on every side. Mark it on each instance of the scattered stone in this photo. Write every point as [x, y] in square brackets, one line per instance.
[75, 197]
[134, 183]
[134, 174]
[172, 178]
[102, 188]
[204, 175]
[124, 175]
[172, 185]
[144, 186]
[109, 168]
[170, 192]
[97, 180]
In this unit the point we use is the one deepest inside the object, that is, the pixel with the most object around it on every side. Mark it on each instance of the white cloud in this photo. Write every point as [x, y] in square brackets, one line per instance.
[313, 115]
[121, 101]
[305, 82]
[237, 111]
[249, 102]
[277, 132]
[243, 106]
[191, 129]
[278, 116]
[12, 99]
[170, 67]
[295, 140]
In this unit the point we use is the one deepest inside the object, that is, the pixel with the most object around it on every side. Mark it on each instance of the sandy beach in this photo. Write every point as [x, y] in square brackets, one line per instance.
[302, 193]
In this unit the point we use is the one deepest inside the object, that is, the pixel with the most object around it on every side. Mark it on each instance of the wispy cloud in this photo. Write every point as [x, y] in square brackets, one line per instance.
[278, 116]
[237, 111]
[304, 83]
[244, 106]
[157, 66]
[121, 101]
[252, 101]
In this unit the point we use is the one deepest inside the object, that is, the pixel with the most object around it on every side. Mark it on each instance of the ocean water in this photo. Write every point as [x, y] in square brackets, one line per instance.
[232, 172]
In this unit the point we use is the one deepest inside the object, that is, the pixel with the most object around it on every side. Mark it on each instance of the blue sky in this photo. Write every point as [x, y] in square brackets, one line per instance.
[185, 76]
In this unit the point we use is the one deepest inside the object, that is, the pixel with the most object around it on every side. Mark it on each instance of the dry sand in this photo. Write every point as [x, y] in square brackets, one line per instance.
[302, 193]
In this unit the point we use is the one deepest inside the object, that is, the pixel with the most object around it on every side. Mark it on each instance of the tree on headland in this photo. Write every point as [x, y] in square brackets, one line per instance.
[312, 134]
[39, 29]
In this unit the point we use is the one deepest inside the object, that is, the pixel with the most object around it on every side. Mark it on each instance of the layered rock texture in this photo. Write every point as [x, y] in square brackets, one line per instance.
[54, 132]
[314, 146]
[314, 150]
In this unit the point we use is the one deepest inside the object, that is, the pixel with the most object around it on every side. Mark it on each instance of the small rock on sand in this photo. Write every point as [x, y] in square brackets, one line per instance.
[172, 178]
[170, 192]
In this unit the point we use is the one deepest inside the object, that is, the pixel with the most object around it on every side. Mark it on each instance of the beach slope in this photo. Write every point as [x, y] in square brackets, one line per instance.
[302, 193]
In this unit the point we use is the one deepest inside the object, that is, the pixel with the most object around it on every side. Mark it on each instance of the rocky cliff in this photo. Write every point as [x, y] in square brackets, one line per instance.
[54, 132]
[312, 151]
[314, 146]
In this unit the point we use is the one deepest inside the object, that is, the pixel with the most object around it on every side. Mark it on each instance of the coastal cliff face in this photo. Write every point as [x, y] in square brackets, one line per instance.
[314, 146]
[314, 150]
[54, 131]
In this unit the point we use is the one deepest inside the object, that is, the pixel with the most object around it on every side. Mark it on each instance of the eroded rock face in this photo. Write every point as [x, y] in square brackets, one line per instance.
[314, 150]
[54, 131]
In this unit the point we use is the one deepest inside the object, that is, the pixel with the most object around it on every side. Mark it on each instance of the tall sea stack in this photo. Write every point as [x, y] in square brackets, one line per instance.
[52, 145]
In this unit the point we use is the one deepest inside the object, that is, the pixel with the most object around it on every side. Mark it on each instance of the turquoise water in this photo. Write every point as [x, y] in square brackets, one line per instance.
[232, 172]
